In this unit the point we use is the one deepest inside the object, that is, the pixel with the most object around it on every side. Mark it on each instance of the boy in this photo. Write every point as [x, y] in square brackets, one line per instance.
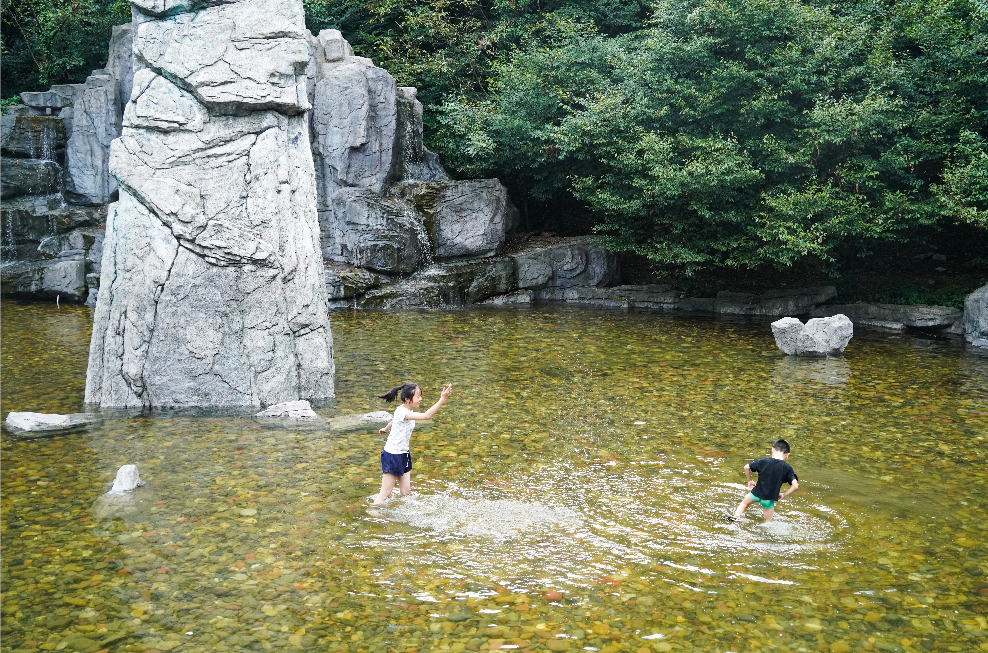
[772, 473]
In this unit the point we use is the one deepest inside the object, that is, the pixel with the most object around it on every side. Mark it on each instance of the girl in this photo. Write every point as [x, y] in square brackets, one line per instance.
[396, 461]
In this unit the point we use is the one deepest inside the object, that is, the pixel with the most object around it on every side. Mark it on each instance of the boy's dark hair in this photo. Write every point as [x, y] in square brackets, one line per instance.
[407, 392]
[781, 445]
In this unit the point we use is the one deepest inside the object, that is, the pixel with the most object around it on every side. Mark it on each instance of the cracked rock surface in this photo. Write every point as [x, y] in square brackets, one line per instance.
[212, 289]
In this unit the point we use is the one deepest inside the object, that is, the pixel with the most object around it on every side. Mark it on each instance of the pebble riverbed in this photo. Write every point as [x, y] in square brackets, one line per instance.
[570, 496]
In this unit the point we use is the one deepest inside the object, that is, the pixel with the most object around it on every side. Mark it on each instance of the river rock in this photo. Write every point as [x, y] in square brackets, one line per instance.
[297, 411]
[127, 479]
[213, 292]
[976, 317]
[121, 499]
[46, 423]
[63, 277]
[818, 337]
[893, 316]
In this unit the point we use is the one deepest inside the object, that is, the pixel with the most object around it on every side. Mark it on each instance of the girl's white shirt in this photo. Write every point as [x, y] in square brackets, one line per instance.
[401, 432]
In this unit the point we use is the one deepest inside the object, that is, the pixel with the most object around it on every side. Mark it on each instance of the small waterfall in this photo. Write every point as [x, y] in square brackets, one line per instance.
[8, 246]
[47, 144]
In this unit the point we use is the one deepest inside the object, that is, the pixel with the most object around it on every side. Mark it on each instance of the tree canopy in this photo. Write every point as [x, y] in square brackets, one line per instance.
[697, 133]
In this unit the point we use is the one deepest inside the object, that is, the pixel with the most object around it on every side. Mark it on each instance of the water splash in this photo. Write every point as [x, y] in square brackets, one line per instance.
[498, 518]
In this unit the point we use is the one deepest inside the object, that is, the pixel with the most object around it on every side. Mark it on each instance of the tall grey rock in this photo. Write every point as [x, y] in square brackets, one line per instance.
[212, 290]
[976, 317]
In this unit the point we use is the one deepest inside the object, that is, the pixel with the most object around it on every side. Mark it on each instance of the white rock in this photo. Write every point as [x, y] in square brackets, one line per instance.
[47, 423]
[291, 410]
[818, 337]
[127, 480]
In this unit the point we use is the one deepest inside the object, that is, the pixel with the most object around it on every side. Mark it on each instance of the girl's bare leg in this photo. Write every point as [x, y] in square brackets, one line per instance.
[405, 484]
[387, 485]
[768, 513]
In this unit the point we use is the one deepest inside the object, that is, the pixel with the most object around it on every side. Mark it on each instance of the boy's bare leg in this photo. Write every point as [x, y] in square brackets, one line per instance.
[387, 485]
[405, 484]
[745, 502]
[768, 514]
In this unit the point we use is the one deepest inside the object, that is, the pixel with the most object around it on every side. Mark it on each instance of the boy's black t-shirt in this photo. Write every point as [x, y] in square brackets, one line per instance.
[772, 473]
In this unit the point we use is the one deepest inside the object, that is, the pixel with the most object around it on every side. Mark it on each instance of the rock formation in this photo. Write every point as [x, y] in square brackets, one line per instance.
[56, 180]
[212, 288]
[893, 316]
[976, 317]
[293, 411]
[386, 206]
[823, 336]
[121, 499]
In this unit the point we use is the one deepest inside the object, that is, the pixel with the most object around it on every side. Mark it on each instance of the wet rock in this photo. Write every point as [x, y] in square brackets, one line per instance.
[371, 231]
[346, 282]
[976, 317]
[61, 277]
[127, 479]
[893, 316]
[464, 218]
[29, 177]
[47, 424]
[215, 295]
[517, 298]
[299, 411]
[33, 137]
[818, 337]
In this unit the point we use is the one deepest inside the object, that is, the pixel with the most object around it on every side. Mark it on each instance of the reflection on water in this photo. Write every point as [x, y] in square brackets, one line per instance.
[570, 496]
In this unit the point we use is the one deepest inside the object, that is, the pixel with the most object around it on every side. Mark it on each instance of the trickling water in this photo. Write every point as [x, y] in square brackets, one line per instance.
[569, 496]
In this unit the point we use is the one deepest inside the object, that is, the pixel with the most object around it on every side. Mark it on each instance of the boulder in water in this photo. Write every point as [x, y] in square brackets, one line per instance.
[350, 422]
[818, 337]
[976, 317]
[122, 499]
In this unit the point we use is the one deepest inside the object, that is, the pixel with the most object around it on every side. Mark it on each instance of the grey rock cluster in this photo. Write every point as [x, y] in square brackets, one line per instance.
[56, 180]
[386, 206]
[213, 292]
[824, 336]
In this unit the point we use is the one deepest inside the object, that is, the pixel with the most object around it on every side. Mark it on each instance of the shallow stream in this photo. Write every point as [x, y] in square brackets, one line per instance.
[570, 496]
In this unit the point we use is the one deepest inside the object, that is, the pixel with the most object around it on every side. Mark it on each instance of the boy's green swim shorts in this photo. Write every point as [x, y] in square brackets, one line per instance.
[764, 503]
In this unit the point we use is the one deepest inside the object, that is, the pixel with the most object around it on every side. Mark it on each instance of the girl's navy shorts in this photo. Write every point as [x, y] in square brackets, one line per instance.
[396, 464]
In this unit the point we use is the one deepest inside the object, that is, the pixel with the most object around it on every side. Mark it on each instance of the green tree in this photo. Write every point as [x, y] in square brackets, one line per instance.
[48, 42]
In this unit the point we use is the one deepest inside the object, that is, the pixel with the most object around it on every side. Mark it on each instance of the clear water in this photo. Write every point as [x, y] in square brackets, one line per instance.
[570, 496]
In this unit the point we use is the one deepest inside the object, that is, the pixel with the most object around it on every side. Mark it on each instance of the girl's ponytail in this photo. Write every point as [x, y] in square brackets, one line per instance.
[407, 392]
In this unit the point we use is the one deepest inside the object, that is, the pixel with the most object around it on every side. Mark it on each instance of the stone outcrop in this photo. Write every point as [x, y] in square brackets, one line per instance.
[975, 320]
[893, 316]
[212, 288]
[825, 336]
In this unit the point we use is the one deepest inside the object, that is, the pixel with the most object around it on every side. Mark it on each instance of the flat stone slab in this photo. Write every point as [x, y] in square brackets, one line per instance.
[350, 422]
[893, 316]
[37, 424]
[296, 411]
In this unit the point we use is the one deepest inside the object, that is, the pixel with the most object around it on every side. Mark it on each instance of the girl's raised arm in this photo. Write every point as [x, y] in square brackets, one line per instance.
[435, 407]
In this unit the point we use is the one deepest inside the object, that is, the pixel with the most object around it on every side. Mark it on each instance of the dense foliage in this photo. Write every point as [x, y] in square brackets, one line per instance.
[48, 42]
[694, 132]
